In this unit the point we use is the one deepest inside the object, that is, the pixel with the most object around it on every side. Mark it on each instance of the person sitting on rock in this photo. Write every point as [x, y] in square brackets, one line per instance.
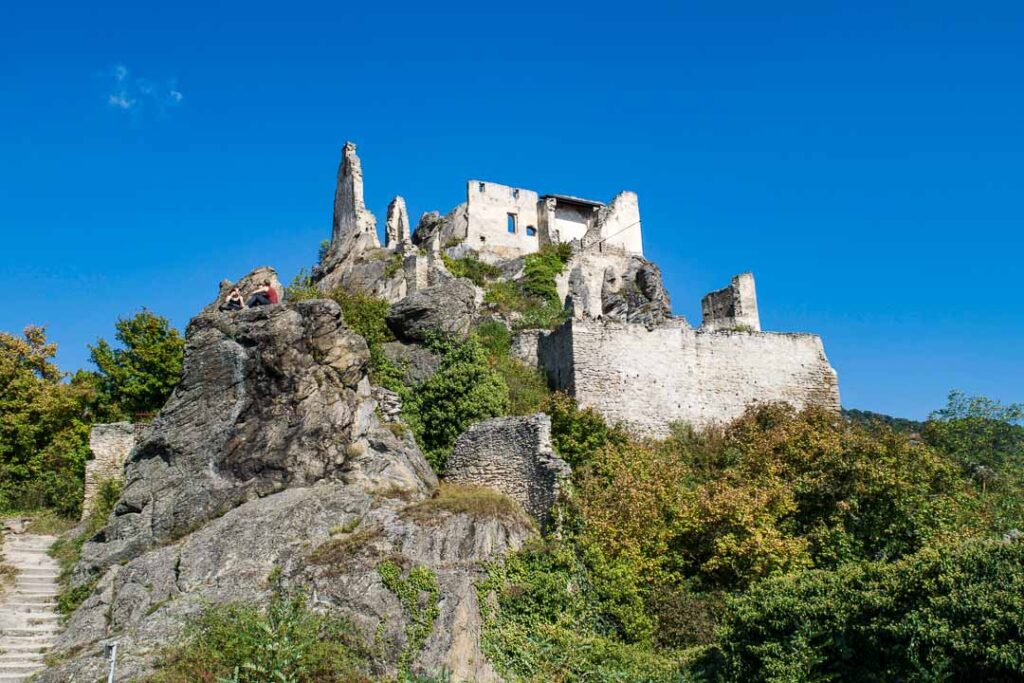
[233, 302]
[263, 295]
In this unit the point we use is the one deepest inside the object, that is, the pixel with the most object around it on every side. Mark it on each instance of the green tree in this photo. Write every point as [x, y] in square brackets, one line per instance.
[44, 425]
[139, 376]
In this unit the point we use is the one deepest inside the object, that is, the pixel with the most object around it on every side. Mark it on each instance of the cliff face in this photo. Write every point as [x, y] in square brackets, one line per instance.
[269, 444]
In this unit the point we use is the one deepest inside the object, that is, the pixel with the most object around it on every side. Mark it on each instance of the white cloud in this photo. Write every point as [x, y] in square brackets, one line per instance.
[129, 93]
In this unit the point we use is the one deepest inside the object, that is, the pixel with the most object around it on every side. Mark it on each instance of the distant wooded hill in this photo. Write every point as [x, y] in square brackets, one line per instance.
[867, 417]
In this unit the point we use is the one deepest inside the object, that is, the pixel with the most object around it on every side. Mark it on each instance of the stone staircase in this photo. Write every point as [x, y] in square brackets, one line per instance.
[28, 620]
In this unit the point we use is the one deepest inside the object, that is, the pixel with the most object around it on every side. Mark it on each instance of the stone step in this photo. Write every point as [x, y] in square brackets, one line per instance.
[30, 631]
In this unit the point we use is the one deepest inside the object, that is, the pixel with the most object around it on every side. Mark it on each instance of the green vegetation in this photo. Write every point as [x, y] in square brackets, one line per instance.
[302, 288]
[67, 549]
[786, 547]
[464, 390]
[418, 592]
[136, 378]
[284, 641]
[532, 300]
[471, 267]
[944, 614]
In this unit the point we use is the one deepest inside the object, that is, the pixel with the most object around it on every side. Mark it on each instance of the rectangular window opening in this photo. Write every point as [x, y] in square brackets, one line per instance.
[531, 231]
[515, 194]
[512, 219]
[480, 187]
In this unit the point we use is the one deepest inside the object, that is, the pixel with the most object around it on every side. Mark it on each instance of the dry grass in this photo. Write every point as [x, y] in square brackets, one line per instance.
[477, 501]
[337, 553]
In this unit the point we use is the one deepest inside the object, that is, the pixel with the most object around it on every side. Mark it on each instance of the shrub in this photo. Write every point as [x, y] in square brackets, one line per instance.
[302, 288]
[941, 614]
[471, 267]
[578, 434]
[527, 386]
[534, 297]
[464, 390]
[283, 641]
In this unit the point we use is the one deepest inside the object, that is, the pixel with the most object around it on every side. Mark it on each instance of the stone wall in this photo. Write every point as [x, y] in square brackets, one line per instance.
[734, 307]
[110, 445]
[649, 378]
[512, 455]
[618, 225]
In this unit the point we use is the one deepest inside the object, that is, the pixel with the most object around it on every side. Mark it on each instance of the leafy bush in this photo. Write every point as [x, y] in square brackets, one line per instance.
[471, 267]
[527, 386]
[534, 297]
[464, 390]
[139, 376]
[547, 625]
[302, 288]
[284, 641]
[578, 434]
[939, 615]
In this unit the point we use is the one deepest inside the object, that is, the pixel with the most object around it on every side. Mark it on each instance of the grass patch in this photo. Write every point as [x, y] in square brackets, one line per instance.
[471, 267]
[338, 552]
[477, 501]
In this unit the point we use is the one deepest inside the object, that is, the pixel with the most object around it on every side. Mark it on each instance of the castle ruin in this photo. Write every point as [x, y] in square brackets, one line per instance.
[621, 349]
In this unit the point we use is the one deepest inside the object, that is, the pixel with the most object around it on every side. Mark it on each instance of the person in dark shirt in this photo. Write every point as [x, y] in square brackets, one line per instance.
[233, 302]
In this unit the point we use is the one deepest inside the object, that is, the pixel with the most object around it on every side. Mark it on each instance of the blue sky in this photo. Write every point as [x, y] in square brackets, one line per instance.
[863, 159]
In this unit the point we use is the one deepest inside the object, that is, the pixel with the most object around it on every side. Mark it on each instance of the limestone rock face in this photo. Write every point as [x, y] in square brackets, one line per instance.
[512, 455]
[637, 295]
[416, 362]
[397, 226]
[447, 308]
[269, 446]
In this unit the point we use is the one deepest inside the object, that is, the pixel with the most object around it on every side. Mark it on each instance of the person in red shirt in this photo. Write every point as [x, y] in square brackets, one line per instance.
[263, 295]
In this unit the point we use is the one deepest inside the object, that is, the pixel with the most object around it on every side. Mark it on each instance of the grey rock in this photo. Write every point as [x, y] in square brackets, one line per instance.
[417, 362]
[637, 296]
[447, 309]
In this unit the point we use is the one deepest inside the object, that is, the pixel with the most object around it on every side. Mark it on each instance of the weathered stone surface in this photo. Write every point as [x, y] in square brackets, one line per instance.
[637, 295]
[396, 227]
[109, 445]
[269, 446]
[416, 362]
[354, 225]
[447, 309]
[270, 398]
[649, 378]
[734, 307]
[512, 455]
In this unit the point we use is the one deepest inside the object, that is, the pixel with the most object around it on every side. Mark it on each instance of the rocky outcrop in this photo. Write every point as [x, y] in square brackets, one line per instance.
[636, 295]
[447, 309]
[512, 455]
[270, 455]
[416, 362]
[396, 230]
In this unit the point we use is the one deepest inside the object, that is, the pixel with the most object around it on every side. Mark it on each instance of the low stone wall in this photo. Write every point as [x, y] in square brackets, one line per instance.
[512, 455]
[648, 379]
[110, 445]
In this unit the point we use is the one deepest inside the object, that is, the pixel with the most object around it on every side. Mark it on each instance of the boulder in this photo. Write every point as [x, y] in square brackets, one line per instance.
[417, 362]
[448, 309]
[636, 295]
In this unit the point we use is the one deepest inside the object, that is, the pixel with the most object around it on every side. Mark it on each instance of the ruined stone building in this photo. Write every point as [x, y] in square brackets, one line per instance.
[621, 350]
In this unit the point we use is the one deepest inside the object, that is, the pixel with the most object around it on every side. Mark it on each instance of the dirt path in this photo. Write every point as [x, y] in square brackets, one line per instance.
[28, 620]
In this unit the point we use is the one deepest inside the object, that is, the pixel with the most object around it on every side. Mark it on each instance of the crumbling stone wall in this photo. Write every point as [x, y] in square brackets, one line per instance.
[512, 455]
[489, 207]
[649, 378]
[110, 445]
[734, 307]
